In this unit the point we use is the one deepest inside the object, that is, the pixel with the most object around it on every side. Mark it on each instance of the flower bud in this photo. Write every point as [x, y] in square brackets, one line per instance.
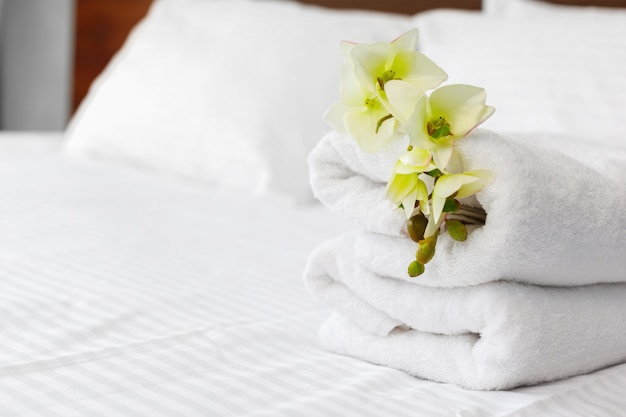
[415, 269]
[426, 249]
[416, 226]
[457, 230]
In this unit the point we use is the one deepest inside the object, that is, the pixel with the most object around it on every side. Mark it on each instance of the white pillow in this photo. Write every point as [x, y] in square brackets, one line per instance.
[541, 74]
[227, 92]
[526, 8]
[493, 7]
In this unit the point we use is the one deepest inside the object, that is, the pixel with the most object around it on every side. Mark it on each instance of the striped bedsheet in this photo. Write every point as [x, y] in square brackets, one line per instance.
[123, 293]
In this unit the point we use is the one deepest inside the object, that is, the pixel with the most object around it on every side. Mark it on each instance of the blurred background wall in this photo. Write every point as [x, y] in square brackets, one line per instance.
[36, 54]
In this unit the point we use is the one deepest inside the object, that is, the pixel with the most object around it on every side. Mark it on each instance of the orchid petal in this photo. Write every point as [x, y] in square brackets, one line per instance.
[335, 115]
[483, 177]
[417, 69]
[422, 197]
[402, 168]
[408, 203]
[416, 157]
[461, 105]
[363, 124]
[401, 99]
[431, 227]
[438, 203]
[346, 48]
[351, 91]
[406, 41]
[442, 153]
[463, 185]
[370, 62]
[487, 112]
[447, 185]
[416, 125]
[400, 186]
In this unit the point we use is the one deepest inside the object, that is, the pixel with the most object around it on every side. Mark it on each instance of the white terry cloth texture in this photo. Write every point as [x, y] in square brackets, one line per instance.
[493, 336]
[555, 210]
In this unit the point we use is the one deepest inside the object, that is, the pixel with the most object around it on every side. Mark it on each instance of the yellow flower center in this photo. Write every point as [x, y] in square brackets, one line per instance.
[371, 102]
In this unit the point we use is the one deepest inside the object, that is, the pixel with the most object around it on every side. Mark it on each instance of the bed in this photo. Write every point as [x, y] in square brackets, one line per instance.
[151, 256]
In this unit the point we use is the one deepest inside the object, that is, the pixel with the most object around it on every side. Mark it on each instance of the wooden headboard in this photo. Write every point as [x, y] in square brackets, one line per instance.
[102, 26]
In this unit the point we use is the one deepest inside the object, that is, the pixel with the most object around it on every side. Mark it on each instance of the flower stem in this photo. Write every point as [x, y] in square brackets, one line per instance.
[469, 215]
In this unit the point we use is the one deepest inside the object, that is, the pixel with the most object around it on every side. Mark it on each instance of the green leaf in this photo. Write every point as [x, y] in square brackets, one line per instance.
[434, 173]
[451, 205]
[457, 230]
[415, 269]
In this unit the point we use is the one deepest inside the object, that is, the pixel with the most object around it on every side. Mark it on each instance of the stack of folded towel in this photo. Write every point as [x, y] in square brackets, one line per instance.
[536, 294]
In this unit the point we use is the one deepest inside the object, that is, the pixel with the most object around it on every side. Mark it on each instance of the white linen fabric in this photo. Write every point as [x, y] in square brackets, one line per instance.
[129, 294]
[226, 92]
[541, 73]
[491, 336]
[551, 219]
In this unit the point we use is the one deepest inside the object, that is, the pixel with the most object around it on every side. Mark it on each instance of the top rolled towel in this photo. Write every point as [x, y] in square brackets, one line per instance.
[556, 207]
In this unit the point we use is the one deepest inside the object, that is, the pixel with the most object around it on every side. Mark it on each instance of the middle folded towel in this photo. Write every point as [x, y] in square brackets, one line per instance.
[552, 218]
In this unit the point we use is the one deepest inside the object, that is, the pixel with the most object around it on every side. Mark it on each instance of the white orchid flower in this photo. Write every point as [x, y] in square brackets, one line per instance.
[405, 186]
[359, 110]
[363, 110]
[378, 63]
[436, 122]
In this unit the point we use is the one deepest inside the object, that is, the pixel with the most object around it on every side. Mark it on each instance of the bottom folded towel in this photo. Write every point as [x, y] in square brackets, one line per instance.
[498, 335]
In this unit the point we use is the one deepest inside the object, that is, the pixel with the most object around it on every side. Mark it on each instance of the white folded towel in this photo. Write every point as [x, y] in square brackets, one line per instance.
[492, 336]
[552, 218]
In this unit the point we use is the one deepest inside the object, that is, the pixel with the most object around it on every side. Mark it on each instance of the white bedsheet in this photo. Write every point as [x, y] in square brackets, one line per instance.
[128, 294]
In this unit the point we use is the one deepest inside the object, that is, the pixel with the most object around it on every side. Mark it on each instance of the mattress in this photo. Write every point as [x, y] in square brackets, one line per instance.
[130, 294]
